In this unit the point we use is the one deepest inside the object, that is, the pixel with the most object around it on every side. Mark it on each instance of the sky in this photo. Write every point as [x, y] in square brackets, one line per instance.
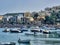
[16, 6]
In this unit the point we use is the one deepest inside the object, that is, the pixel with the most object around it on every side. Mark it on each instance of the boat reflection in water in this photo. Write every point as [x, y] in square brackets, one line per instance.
[46, 39]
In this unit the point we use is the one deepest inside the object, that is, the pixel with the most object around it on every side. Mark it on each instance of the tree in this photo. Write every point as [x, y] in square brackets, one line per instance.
[53, 17]
[1, 21]
[47, 19]
[35, 16]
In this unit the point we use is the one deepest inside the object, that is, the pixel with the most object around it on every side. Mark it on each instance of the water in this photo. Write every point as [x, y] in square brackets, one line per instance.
[42, 39]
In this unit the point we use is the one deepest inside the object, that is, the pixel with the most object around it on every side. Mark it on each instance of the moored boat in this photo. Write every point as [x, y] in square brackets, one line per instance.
[7, 43]
[23, 41]
[46, 32]
[29, 33]
[15, 31]
[24, 30]
[35, 29]
[6, 30]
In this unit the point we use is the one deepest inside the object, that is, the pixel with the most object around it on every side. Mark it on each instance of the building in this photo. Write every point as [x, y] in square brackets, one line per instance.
[21, 15]
[12, 17]
[27, 14]
[42, 14]
[1, 17]
[27, 19]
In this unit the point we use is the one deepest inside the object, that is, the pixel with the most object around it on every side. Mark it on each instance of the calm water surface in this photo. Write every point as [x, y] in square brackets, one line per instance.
[42, 39]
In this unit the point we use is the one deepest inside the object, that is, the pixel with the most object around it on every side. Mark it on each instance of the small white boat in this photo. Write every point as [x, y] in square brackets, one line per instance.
[49, 28]
[15, 31]
[35, 29]
[46, 32]
[29, 33]
[6, 30]
[24, 29]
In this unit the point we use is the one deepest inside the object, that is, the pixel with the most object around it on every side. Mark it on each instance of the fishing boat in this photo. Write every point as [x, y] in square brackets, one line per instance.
[23, 41]
[7, 43]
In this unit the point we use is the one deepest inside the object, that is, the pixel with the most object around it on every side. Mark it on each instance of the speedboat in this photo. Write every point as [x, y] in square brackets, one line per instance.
[46, 32]
[35, 29]
[15, 31]
[6, 30]
[49, 28]
[24, 30]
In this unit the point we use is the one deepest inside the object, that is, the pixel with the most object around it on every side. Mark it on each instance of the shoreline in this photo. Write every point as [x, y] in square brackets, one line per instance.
[20, 25]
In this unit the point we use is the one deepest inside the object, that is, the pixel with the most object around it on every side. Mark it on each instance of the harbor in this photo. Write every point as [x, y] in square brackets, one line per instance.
[29, 22]
[29, 36]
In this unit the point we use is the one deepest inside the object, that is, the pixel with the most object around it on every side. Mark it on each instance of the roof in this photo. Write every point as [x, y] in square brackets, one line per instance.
[13, 14]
